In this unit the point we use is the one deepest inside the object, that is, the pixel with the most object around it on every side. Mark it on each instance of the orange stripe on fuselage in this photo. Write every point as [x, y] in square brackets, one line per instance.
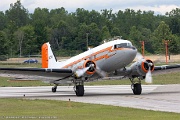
[44, 52]
[96, 53]
[86, 57]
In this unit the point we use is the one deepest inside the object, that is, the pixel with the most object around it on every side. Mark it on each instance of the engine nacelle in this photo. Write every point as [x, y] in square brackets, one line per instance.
[141, 67]
[84, 68]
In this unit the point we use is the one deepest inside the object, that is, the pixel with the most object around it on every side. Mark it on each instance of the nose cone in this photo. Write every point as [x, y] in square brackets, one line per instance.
[132, 53]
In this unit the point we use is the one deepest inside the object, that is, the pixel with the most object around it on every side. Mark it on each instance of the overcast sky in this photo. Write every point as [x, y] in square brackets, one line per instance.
[158, 6]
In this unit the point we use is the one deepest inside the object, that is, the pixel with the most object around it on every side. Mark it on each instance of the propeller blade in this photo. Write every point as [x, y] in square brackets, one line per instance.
[148, 78]
[101, 72]
[81, 72]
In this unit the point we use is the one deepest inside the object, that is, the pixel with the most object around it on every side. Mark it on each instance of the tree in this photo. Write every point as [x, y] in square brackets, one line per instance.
[93, 36]
[82, 15]
[81, 40]
[17, 14]
[174, 21]
[135, 36]
[55, 15]
[105, 34]
[40, 15]
[4, 46]
[59, 35]
[20, 37]
[174, 44]
[115, 32]
[40, 32]
[69, 31]
[28, 45]
[2, 20]
[162, 32]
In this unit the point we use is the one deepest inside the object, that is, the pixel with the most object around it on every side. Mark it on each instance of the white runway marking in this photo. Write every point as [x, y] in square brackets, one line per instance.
[153, 97]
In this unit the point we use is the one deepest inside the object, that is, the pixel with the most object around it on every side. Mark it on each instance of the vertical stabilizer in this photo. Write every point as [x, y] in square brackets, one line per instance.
[48, 58]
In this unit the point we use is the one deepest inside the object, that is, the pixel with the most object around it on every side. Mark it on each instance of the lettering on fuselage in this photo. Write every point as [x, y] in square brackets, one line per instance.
[50, 57]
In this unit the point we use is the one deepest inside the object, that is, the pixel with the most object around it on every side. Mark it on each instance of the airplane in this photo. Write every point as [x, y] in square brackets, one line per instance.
[106, 60]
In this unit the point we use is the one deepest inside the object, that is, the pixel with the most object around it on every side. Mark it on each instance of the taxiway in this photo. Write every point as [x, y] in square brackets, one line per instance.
[154, 97]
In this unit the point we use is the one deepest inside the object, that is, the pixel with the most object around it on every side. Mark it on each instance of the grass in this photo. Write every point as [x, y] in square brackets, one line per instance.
[6, 82]
[169, 78]
[76, 111]
[15, 65]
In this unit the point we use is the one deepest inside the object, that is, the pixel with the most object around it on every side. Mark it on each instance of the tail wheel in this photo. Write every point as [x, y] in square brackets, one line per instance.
[137, 89]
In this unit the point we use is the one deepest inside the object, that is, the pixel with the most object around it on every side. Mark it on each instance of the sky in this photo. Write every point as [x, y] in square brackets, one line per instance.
[158, 6]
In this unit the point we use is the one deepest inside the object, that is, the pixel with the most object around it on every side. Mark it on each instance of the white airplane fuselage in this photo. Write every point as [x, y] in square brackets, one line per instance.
[108, 57]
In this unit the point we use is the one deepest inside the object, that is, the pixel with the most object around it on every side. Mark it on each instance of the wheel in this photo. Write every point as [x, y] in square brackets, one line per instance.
[79, 90]
[137, 89]
[54, 89]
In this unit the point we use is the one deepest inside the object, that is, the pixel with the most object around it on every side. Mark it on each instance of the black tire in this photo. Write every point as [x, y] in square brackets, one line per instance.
[79, 90]
[54, 89]
[137, 89]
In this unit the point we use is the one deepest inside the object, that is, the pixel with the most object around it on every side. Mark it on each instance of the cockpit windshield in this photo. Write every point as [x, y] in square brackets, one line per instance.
[123, 45]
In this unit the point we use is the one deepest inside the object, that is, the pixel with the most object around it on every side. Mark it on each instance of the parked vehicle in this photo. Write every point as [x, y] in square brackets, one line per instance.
[31, 61]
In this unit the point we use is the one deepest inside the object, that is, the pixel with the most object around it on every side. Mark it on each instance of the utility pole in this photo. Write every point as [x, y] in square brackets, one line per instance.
[166, 47]
[142, 48]
[87, 40]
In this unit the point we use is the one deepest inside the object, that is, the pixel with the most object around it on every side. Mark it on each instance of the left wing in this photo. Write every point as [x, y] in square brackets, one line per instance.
[140, 69]
[164, 67]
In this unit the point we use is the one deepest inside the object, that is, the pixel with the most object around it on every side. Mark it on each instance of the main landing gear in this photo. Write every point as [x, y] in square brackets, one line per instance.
[79, 88]
[136, 86]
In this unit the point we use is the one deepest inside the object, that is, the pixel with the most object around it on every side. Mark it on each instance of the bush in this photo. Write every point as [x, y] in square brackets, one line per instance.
[3, 57]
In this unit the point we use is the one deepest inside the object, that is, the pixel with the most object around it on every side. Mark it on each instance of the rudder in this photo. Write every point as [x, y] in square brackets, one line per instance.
[48, 58]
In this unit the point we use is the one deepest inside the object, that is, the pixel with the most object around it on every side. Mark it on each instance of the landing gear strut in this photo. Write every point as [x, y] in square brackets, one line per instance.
[54, 88]
[136, 86]
[79, 88]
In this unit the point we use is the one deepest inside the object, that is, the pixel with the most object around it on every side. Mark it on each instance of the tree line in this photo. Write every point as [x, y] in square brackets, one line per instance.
[23, 33]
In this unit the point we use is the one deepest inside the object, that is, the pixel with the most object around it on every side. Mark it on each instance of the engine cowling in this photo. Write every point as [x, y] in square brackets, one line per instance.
[91, 65]
[141, 67]
[84, 68]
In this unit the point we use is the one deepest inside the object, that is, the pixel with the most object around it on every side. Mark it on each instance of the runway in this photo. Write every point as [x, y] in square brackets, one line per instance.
[154, 97]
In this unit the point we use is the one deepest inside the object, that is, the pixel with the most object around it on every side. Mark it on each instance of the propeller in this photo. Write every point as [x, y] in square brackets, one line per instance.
[148, 78]
[97, 68]
[81, 72]
[100, 72]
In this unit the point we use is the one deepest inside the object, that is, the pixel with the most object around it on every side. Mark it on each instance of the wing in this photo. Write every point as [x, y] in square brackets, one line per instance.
[164, 67]
[46, 72]
[136, 71]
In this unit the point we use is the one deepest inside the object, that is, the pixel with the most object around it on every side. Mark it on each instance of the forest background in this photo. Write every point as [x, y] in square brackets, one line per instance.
[22, 33]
